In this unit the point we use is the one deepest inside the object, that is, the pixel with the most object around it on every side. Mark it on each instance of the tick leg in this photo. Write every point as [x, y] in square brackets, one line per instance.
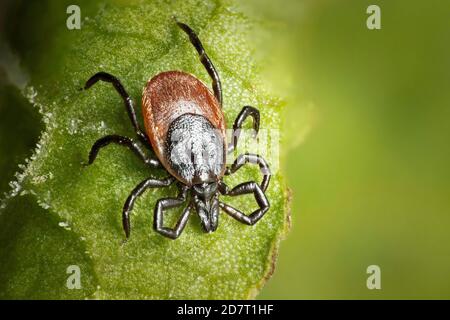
[247, 111]
[138, 191]
[123, 141]
[167, 203]
[254, 159]
[261, 199]
[209, 66]
[103, 76]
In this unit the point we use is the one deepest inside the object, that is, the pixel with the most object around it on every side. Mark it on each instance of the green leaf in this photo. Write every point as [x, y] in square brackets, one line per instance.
[136, 40]
[19, 131]
[36, 253]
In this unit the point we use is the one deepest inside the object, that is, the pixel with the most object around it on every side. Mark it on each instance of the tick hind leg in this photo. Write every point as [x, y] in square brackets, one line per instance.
[205, 60]
[247, 111]
[103, 76]
[246, 188]
[138, 191]
[123, 141]
[167, 203]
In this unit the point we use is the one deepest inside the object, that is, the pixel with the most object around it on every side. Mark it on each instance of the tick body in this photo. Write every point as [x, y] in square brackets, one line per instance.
[178, 110]
[185, 128]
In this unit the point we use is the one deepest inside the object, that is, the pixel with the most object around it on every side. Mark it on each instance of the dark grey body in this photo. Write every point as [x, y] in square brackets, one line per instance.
[195, 149]
[197, 153]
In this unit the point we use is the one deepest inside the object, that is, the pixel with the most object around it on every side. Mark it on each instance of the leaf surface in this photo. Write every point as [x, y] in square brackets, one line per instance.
[134, 41]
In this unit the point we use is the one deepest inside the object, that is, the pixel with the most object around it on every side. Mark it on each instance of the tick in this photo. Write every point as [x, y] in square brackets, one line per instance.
[185, 128]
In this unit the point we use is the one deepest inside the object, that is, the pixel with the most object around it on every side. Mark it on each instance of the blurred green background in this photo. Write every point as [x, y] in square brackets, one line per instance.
[366, 146]
[368, 150]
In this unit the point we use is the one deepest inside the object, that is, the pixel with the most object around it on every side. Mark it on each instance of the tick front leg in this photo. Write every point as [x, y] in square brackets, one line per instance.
[129, 105]
[204, 59]
[247, 111]
[245, 188]
[123, 141]
[138, 191]
[167, 203]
